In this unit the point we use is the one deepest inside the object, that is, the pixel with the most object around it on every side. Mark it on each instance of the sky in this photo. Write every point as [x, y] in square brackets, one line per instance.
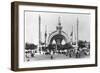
[50, 20]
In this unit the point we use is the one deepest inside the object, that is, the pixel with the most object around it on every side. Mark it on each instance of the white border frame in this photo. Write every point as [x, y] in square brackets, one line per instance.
[47, 63]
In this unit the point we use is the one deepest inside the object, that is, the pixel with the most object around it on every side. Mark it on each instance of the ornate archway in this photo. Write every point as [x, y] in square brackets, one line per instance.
[58, 37]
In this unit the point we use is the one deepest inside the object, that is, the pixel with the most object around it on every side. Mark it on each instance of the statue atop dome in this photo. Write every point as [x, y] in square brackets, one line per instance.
[59, 27]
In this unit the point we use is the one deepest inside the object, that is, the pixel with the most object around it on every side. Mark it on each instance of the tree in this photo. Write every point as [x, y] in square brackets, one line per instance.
[30, 46]
[81, 44]
[67, 46]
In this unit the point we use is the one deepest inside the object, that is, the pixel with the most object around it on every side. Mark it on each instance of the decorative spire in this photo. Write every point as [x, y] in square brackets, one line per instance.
[45, 30]
[59, 23]
[59, 27]
[77, 28]
[39, 29]
[71, 31]
[45, 34]
[39, 19]
[77, 22]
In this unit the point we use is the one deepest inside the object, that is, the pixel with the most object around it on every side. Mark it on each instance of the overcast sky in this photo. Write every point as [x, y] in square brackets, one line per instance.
[51, 20]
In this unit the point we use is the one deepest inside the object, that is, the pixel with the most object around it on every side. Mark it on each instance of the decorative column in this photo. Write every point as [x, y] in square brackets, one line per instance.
[77, 33]
[39, 50]
[45, 35]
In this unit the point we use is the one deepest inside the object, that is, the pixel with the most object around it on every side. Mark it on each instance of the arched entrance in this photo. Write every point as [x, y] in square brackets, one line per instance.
[58, 39]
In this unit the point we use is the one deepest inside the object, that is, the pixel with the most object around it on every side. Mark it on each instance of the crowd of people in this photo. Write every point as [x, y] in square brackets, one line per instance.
[68, 50]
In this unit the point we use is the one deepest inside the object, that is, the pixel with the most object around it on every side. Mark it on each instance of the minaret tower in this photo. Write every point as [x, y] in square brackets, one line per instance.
[77, 24]
[77, 31]
[45, 34]
[39, 33]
